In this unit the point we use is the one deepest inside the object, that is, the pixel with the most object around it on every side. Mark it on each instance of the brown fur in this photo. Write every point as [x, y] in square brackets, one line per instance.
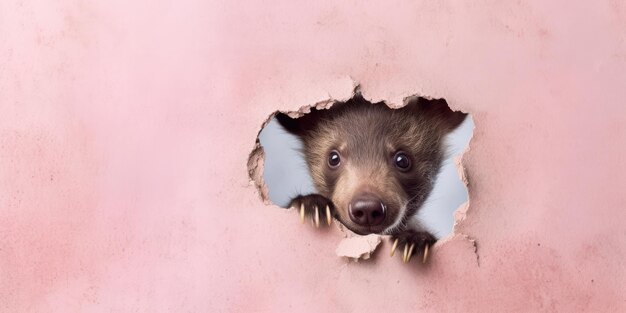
[367, 137]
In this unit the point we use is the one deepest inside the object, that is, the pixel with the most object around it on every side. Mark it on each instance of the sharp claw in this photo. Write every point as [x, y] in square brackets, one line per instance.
[317, 217]
[406, 252]
[408, 257]
[393, 247]
[329, 219]
[302, 213]
[425, 254]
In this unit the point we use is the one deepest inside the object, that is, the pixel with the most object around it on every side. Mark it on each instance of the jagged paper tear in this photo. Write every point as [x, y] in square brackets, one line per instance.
[358, 247]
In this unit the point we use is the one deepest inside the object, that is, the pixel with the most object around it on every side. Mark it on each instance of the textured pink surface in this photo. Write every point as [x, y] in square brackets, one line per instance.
[125, 129]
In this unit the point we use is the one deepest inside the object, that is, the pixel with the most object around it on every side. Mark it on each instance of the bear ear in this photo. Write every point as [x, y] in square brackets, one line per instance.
[437, 113]
[305, 124]
[300, 126]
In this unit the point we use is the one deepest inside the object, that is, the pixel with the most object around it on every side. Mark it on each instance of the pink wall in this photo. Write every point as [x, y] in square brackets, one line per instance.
[125, 129]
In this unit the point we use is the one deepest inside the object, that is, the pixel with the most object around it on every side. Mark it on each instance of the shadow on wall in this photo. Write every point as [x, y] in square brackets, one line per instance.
[286, 175]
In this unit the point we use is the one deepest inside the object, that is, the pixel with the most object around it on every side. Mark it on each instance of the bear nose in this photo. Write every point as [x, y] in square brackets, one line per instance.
[367, 211]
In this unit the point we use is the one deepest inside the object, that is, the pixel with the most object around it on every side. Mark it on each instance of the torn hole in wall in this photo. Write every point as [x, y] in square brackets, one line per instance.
[369, 168]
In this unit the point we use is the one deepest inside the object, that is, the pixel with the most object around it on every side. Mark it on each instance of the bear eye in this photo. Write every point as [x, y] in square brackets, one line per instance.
[333, 159]
[402, 161]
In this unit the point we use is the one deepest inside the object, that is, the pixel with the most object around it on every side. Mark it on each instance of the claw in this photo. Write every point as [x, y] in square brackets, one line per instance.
[393, 247]
[317, 217]
[425, 253]
[406, 252]
[329, 219]
[408, 256]
[302, 213]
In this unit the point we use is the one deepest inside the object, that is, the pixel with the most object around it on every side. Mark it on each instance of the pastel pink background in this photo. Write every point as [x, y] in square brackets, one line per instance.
[125, 129]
